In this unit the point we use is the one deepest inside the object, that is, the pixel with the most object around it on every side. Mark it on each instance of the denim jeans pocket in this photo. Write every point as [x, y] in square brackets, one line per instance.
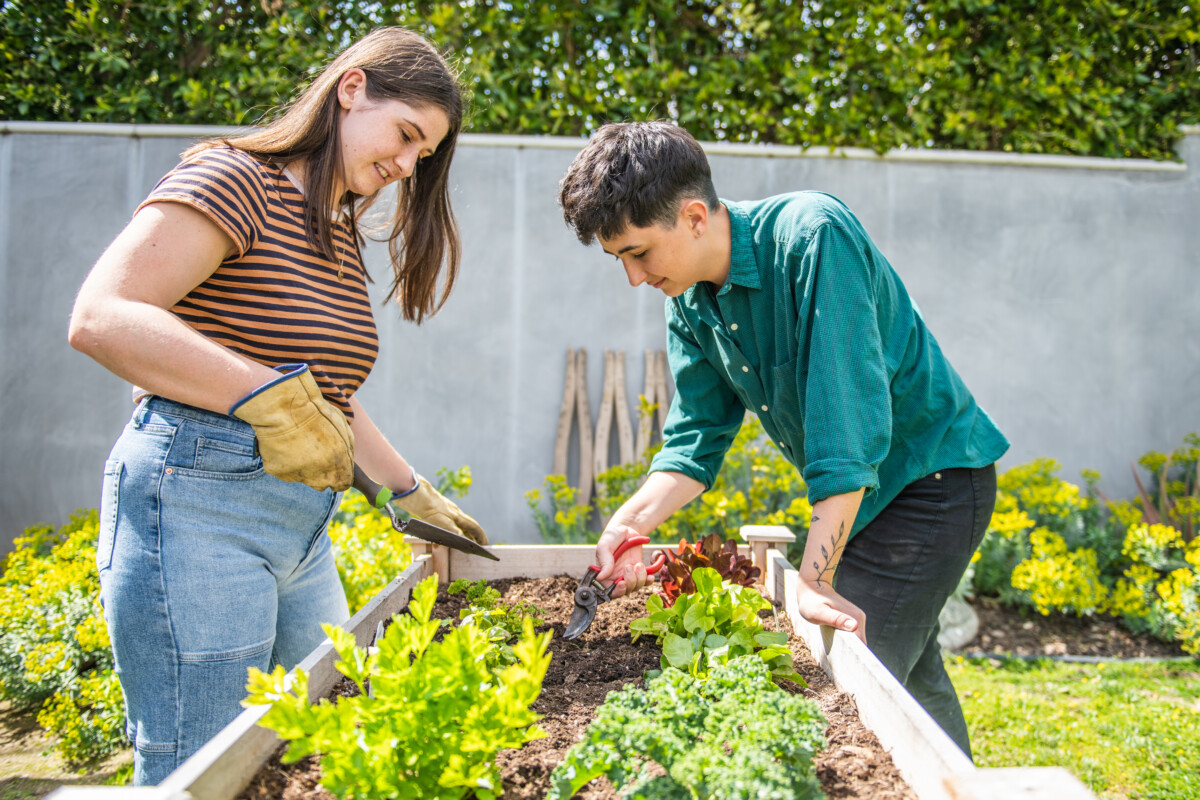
[107, 535]
[214, 454]
[218, 455]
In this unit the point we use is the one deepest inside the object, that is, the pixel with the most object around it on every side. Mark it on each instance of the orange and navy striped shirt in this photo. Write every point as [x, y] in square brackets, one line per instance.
[276, 300]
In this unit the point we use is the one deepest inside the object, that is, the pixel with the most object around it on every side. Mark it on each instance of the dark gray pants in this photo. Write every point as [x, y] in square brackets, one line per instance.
[901, 568]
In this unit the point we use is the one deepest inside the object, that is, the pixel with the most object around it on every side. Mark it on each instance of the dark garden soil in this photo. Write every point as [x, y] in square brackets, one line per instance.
[604, 659]
[1026, 633]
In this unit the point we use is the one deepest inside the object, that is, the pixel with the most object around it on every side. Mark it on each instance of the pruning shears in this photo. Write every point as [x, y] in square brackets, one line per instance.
[591, 593]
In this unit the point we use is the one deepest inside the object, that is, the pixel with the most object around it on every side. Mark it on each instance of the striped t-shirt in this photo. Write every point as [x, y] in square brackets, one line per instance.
[275, 300]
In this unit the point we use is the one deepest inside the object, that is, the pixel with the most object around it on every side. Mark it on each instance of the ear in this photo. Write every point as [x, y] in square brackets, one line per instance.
[695, 216]
[350, 86]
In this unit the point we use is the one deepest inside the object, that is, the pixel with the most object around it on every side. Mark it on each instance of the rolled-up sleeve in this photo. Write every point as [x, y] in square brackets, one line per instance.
[705, 414]
[847, 397]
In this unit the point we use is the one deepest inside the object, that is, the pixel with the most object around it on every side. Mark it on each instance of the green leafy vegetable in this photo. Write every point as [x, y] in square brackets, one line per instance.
[502, 623]
[712, 551]
[434, 719]
[713, 625]
[735, 736]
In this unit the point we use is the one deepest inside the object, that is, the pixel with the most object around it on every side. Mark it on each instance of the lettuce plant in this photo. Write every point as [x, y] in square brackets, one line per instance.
[713, 625]
[501, 622]
[713, 552]
[735, 736]
[433, 720]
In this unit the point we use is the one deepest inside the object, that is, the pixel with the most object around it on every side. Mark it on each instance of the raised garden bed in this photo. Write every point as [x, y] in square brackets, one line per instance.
[923, 755]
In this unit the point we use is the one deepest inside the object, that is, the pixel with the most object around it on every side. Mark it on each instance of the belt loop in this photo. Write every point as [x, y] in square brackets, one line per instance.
[139, 414]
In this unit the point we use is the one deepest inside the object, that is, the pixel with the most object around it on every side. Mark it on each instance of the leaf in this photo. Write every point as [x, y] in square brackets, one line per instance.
[678, 651]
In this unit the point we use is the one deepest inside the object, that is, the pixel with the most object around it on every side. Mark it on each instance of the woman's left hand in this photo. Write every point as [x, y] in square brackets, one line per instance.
[821, 605]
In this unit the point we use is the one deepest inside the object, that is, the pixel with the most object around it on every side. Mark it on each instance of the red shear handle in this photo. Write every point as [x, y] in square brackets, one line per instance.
[636, 541]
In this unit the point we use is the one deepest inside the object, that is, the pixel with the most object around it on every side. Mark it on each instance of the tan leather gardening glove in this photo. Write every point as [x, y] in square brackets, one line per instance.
[427, 504]
[302, 437]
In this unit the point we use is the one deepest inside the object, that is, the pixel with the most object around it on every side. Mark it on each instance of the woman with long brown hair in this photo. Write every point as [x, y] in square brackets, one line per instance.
[235, 301]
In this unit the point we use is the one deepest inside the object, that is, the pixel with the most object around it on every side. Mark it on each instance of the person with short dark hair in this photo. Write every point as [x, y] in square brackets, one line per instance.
[785, 307]
[235, 301]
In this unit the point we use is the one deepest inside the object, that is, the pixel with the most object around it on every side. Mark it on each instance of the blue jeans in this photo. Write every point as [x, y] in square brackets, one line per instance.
[208, 566]
[901, 568]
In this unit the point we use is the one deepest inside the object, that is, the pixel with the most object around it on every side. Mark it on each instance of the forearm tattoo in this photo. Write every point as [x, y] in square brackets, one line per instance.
[829, 567]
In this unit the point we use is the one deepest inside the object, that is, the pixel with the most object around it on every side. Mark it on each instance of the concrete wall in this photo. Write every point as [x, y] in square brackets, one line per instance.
[1064, 290]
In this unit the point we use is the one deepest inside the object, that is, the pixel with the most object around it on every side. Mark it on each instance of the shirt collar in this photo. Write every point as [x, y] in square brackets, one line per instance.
[743, 268]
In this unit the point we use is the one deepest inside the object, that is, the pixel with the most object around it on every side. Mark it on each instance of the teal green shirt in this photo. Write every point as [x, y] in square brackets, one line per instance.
[814, 332]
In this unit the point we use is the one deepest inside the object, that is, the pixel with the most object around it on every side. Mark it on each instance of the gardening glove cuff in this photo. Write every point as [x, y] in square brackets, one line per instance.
[427, 504]
[302, 438]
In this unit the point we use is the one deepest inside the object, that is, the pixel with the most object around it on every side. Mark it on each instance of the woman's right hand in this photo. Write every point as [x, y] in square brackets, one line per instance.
[629, 569]
[302, 437]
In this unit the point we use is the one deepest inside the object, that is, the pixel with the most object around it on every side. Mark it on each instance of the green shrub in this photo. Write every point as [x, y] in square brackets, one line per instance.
[1092, 77]
[54, 646]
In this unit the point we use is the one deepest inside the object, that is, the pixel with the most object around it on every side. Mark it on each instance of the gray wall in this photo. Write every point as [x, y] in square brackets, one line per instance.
[1064, 290]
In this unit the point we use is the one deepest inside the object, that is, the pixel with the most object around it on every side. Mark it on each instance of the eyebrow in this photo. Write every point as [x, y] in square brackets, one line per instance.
[420, 132]
[623, 250]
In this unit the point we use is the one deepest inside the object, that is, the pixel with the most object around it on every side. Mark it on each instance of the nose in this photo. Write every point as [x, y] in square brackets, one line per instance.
[635, 274]
[406, 162]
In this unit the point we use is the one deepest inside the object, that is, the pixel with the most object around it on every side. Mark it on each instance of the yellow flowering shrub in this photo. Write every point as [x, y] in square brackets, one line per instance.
[756, 486]
[369, 552]
[1173, 494]
[54, 646]
[564, 520]
[1159, 592]
[89, 722]
[1055, 578]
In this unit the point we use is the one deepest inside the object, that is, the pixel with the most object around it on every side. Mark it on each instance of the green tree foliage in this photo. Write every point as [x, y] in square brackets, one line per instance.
[1089, 77]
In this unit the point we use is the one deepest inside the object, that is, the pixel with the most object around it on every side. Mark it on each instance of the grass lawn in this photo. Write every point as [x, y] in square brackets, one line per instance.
[1129, 731]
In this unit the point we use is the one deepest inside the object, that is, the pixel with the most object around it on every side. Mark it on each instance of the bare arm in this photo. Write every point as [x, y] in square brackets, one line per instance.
[376, 455]
[828, 534]
[659, 497]
[121, 316]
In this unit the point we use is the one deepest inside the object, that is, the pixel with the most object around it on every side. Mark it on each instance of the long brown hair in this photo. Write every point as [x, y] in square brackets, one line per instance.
[400, 65]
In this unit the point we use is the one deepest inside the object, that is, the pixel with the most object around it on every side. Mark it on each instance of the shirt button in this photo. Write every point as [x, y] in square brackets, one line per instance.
[764, 408]
[745, 369]
[733, 327]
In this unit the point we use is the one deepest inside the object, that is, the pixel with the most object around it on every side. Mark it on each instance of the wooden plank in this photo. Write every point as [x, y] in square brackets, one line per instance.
[926, 757]
[566, 414]
[227, 764]
[1018, 783]
[533, 561]
[624, 423]
[645, 431]
[586, 476]
[604, 418]
[922, 752]
[760, 539]
[660, 389]
[112, 793]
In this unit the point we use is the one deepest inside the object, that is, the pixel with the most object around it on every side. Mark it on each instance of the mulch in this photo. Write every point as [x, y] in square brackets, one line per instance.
[1026, 633]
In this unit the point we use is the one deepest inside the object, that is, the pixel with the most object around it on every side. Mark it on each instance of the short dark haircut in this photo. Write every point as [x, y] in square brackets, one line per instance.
[633, 173]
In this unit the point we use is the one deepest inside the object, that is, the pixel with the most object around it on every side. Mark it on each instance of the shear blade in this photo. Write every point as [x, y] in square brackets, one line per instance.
[581, 620]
